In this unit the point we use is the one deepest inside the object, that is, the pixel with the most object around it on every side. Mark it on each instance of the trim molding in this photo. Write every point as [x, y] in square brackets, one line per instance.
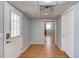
[62, 50]
[37, 43]
[25, 48]
[59, 47]
[29, 46]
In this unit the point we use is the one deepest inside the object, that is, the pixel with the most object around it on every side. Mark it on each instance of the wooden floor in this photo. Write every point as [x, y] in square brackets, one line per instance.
[43, 51]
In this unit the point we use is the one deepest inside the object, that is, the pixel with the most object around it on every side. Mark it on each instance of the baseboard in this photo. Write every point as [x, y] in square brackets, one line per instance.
[62, 50]
[37, 43]
[59, 47]
[26, 48]
[29, 45]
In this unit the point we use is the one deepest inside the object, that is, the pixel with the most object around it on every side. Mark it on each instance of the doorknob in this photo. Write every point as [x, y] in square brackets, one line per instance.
[7, 35]
[63, 35]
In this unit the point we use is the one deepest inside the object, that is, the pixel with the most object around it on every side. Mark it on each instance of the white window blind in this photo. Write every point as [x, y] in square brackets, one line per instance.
[15, 25]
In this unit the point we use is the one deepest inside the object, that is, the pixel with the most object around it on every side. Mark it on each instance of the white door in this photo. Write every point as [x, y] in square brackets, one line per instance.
[12, 43]
[68, 32]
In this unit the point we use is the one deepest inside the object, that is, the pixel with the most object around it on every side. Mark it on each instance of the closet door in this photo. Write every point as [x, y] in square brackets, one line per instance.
[68, 32]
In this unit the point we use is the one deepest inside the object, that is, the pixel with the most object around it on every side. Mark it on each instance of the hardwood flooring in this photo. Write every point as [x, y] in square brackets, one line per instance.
[43, 51]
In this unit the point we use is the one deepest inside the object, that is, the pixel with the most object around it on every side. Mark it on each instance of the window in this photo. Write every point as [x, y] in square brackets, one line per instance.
[15, 25]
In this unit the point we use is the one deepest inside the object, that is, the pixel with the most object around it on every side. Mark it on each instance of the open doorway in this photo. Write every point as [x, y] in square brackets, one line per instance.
[49, 32]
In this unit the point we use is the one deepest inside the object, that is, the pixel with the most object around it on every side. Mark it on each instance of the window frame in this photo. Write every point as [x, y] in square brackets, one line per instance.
[11, 25]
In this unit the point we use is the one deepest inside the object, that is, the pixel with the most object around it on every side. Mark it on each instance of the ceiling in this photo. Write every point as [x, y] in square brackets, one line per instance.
[32, 8]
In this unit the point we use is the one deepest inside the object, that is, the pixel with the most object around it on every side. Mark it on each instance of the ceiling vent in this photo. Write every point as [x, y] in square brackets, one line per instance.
[46, 8]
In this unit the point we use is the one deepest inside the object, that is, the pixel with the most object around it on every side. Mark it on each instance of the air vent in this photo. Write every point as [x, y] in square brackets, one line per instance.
[46, 8]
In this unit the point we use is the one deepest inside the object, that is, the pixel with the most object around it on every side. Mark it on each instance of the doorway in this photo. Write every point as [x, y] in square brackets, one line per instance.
[49, 32]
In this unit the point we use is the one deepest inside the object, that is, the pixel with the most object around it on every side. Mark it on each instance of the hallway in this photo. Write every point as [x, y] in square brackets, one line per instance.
[49, 50]
[39, 29]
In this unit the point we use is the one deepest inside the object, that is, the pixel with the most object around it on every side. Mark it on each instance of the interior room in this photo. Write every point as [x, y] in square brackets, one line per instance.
[39, 29]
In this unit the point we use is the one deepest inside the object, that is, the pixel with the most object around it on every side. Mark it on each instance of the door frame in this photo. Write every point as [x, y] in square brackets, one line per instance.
[44, 29]
[64, 48]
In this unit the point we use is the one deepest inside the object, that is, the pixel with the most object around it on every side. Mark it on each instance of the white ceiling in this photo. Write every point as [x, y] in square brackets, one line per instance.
[32, 9]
